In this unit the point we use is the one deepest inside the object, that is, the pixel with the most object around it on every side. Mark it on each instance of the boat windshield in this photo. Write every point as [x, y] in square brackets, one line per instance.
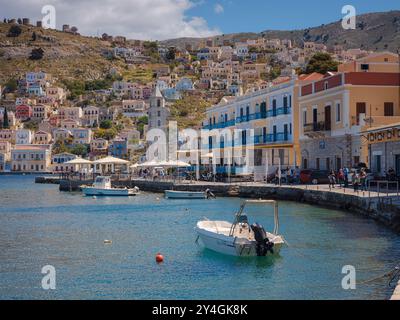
[240, 216]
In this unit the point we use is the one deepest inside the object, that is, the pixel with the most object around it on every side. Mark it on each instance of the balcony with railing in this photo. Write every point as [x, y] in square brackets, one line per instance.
[279, 137]
[220, 125]
[250, 117]
[316, 127]
[264, 115]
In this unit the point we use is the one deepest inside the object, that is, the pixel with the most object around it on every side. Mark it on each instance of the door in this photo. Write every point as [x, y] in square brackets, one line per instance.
[328, 118]
[360, 108]
[265, 134]
[305, 163]
[338, 163]
[397, 163]
[274, 133]
[263, 110]
[285, 132]
[315, 119]
[274, 107]
[285, 104]
[378, 164]
[389, 110]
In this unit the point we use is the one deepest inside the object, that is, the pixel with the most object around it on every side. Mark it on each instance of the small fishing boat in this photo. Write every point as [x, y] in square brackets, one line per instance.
[102, 187]
[173, 194]
[240, 238]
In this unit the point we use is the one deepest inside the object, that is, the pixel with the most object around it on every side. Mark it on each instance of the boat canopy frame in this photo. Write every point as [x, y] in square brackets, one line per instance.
[241, 209]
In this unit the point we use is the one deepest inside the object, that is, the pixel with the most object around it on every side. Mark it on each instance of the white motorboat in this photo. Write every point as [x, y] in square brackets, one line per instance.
[240, 238]
[102, 187]
[173, 194]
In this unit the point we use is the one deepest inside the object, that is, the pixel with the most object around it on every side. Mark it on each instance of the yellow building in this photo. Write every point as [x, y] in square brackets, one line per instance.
[383, 148]
[335, 109]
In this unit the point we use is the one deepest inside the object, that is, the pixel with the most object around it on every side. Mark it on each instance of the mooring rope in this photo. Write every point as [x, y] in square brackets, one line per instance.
[393, 274]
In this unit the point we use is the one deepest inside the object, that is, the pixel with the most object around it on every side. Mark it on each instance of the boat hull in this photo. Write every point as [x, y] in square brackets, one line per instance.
[171, 194]
[232, 246]
[89, 191]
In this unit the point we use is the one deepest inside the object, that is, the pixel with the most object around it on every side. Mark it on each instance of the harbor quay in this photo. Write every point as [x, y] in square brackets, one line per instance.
[382, 206]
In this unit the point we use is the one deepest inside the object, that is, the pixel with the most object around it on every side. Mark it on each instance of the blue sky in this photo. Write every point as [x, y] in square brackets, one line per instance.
[165, 19]
[259, 15]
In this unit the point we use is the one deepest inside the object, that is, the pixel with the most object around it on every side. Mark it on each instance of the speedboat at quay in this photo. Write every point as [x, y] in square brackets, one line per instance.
[102, 187]
[172, 194]
[240, 238]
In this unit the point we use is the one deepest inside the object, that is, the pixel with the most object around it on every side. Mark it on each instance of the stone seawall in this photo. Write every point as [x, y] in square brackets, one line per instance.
[384, 213]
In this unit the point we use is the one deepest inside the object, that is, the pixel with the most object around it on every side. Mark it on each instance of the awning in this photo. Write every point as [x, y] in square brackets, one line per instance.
[111, 160]
[163, 164]
[79, 161]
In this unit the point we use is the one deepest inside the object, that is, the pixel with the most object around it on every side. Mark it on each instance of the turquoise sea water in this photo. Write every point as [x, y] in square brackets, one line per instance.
[41, 226]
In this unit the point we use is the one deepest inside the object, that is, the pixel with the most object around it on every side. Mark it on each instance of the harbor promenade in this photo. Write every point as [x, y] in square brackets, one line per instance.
[382, 205]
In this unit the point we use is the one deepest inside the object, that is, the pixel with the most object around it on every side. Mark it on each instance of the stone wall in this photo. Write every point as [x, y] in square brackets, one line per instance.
[383, 212]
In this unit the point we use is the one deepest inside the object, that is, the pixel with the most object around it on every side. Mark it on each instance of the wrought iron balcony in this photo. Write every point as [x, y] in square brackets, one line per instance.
[316, 127]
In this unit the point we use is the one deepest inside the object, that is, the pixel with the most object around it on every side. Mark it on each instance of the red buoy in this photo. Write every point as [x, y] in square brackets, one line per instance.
[159, 258]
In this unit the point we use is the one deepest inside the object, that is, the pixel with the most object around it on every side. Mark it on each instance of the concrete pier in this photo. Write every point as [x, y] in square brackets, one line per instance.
[368, 204]
[383, 208]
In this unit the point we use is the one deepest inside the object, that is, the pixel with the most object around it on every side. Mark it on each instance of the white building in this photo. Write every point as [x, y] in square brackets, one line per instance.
[23, 136]
[158, 111]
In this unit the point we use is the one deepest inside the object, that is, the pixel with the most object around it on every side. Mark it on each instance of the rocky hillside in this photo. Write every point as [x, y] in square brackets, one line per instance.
[66, 56]
[375, 31]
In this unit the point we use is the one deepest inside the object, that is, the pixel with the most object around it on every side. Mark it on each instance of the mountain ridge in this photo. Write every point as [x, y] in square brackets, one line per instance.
[374, 31]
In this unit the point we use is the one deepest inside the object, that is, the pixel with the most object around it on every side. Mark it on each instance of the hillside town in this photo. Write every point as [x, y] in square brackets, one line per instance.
[182, 150]
[302, 105]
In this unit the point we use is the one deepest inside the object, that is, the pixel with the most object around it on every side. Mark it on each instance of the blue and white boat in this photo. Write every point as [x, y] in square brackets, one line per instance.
[172, 194]
[102, 187]
[240, 238]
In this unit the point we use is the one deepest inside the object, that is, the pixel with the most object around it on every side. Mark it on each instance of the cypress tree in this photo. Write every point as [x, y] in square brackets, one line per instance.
[6, 124]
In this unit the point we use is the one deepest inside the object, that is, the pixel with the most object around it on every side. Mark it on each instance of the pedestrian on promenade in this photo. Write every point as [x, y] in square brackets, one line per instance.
[356, 181]
[346, 177]
[363, 180]
[341, 177]
[297, 175]
[277, 176]
[332, 179]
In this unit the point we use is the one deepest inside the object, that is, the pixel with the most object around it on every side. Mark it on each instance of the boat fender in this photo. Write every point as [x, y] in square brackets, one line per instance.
[159, 258]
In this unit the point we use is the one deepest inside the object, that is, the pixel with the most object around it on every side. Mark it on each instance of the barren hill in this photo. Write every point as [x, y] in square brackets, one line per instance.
[375, 31]
[67, 56]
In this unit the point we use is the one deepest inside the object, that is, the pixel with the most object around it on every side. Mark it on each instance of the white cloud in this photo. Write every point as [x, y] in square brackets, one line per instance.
[218, 8]
[135, 19]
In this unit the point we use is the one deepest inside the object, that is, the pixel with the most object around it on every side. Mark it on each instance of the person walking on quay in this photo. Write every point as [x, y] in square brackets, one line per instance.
[332, 179]
[297, 175]
[341, 177]
[277, 176]
[363, 180]
[356, 181]
[346, 176]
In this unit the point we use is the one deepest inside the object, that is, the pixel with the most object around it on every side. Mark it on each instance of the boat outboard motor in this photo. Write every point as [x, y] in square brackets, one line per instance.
[263, 243]
[210, 194]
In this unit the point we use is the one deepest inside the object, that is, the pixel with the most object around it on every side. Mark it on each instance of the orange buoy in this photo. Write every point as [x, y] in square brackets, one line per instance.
[159, 258]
